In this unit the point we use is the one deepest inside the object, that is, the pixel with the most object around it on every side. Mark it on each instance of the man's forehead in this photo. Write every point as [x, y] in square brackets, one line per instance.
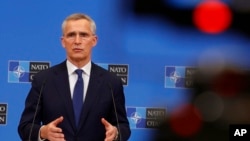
[77, 29]
[77, 26]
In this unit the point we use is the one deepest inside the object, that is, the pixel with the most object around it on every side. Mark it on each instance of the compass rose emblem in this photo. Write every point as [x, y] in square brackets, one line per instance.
[174, 76]
[136, 117]
[19, 71]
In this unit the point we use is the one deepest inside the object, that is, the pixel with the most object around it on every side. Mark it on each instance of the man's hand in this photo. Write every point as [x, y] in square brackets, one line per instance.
[111, 131]
[51, 131]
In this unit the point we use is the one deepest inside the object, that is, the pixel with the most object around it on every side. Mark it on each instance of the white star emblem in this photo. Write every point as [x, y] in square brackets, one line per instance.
[19, 71]
[136, 117]
[174, 76]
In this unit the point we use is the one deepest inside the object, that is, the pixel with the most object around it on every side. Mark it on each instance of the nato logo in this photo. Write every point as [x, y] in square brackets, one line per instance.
[179, 77]
[143, 117]
[120, 70]
[23, 71]
[3, 114]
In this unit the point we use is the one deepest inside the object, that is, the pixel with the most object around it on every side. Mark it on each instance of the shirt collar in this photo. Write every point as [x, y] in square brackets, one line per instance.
[71, 68]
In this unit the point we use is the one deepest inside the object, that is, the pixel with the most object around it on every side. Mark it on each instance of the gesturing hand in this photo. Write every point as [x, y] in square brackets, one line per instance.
[51, 131]
[111, 131]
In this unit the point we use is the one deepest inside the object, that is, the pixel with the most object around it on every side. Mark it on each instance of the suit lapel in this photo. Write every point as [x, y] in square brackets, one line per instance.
[62, 84]
[92, 95]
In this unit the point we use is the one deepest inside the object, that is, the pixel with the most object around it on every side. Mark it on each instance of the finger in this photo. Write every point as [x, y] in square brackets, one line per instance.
[55, 123]
[56, 139]
[56, 130]
[105, 123]
[109, 138]
[58, 135]
[54, 136]
[58, 120]
[111, 132]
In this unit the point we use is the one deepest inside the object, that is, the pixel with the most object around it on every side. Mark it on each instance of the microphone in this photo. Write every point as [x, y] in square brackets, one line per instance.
[38, 102]
[116, 117]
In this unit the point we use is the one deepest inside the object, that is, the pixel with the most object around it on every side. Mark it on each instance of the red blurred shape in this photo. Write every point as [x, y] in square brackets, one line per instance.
[212, 16]
[186, 121]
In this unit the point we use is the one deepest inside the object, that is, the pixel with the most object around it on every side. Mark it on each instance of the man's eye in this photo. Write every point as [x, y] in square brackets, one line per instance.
[71, 35]
[84, 35]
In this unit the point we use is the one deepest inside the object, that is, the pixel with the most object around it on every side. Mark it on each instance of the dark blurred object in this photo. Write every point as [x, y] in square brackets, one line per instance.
[183, 16]
[227, 82]
[205, 132]
[220, 97]
[209, 132]
[160, 8]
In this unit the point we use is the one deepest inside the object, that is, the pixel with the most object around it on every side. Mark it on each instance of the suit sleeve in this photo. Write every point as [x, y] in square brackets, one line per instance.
[31, 108]
[121, 112]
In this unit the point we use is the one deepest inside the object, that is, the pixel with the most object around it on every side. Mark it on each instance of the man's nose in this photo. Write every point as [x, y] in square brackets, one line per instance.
[77, 39]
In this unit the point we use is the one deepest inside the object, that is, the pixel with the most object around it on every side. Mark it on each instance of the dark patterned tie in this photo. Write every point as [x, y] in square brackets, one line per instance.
[78, 96]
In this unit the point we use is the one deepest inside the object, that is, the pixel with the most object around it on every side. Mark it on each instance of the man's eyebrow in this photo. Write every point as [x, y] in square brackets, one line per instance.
[71, 33]
[74, 32]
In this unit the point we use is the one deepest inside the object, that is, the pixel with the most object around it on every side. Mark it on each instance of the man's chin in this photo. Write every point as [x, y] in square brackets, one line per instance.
[78, 58]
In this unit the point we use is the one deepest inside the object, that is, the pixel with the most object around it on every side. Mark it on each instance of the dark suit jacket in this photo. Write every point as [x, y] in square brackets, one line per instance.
[56, 101]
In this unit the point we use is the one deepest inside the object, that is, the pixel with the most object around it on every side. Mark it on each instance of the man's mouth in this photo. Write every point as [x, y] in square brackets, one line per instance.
[77, 49]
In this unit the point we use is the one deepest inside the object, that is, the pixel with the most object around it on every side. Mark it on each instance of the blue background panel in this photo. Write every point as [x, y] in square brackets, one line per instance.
[149, 44]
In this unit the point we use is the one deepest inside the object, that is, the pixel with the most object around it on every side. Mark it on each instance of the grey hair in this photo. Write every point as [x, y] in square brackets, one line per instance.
[79, 16]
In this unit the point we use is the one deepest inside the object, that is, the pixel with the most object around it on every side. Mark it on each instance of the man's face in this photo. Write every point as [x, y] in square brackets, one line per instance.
[78, 41]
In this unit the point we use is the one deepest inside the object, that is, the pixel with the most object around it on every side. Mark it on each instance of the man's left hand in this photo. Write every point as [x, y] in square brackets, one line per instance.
[111, 131]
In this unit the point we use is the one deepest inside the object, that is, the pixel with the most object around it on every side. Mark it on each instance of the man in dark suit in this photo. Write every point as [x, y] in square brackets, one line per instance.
[50, 112]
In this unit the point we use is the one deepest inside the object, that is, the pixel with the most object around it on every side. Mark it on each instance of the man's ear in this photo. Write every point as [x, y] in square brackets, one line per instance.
[62, 42]
[95, 39]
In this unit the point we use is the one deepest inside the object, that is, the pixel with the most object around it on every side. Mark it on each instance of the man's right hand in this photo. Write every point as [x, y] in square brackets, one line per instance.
[51, 131]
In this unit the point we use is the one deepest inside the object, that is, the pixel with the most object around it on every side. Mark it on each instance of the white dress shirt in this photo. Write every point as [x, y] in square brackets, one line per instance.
[73, 77]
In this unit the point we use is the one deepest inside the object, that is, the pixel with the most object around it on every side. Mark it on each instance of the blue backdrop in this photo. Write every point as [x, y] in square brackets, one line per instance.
[147, 45]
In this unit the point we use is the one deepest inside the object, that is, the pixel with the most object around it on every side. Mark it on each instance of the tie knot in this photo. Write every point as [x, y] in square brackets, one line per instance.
[79, 72]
